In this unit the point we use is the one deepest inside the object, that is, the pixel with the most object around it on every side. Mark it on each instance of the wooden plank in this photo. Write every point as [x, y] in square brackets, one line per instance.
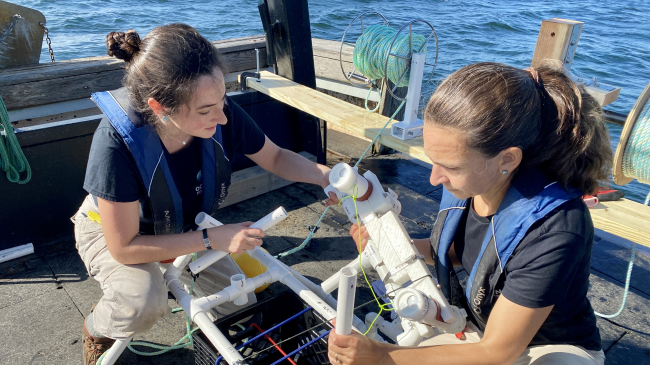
[623, 218]
[555, 41]
[254, 181]
[350, 118]
[50, 83]
[92, 65]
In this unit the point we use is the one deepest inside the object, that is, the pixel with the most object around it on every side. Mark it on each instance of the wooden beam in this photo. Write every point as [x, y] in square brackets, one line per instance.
[47, 83]
[557, 40]
[253, 181]
[350, 118]
[624, 218]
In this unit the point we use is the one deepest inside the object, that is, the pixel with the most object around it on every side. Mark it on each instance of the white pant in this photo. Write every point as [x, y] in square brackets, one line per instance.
[534, 355]
[135, 296]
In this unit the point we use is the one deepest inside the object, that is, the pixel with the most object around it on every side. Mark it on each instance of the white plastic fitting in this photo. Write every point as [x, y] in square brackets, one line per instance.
[346, 179]
[238, 281]
[345, 302]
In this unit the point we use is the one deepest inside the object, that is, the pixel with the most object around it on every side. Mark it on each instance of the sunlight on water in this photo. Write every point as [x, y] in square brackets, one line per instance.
[614, 45]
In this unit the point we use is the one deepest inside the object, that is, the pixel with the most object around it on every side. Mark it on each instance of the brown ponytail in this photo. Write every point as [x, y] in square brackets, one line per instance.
[556, 123]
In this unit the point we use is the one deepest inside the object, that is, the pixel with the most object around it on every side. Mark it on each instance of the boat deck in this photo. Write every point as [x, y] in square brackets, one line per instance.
[43, 300]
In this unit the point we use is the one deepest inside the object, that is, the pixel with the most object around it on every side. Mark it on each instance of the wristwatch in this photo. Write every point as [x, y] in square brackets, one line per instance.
[206, 240]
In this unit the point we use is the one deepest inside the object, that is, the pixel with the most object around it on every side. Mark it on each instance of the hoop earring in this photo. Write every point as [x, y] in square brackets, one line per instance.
[505, 172]
[165, 118]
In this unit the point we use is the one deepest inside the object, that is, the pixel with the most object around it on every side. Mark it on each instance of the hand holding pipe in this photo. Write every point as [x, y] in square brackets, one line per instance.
[205, 221]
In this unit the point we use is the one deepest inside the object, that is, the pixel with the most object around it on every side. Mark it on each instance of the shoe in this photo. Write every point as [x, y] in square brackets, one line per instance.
[93, 347]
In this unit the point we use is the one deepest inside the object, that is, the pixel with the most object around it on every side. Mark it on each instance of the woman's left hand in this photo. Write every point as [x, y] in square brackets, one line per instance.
[354, 349]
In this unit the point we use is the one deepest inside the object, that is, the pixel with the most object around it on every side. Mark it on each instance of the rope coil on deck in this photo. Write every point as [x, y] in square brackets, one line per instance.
[12, 159]
[371, 51]
[636, 157]
[633, 164]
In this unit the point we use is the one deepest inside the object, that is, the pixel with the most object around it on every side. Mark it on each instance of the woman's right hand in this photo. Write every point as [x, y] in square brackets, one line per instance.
[235, 238]
[360, 236]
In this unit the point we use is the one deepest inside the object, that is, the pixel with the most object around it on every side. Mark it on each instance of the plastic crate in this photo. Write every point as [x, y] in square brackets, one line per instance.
[266, 314]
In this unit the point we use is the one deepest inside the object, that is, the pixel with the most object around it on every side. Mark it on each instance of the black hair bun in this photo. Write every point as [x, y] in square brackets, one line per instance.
[123, 46]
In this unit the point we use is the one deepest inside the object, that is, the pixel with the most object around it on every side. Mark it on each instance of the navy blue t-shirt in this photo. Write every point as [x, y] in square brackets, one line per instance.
[112, 174]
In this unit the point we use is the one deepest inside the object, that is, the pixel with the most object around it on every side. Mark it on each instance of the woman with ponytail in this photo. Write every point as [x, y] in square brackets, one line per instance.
[159, 157]
[515, 150]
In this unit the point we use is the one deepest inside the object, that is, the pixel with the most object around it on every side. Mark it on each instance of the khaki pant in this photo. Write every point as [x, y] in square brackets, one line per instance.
[534, 355]
[135, 296]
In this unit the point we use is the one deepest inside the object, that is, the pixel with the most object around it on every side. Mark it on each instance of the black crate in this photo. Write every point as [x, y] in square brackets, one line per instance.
[266, 314]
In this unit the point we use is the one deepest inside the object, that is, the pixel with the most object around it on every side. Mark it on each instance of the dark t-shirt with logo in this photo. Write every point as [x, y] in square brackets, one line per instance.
[550, 266]
[113, 175]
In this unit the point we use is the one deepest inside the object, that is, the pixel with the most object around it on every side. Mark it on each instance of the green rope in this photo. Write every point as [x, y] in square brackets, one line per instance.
[371, 50]
[12, 159]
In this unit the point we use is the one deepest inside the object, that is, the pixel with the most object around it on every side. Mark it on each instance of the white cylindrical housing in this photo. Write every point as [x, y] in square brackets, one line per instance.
[412, 304]
[238, 281]
[204, 220]
[271, 219]
[345, 301]
[16, 252]
[346, 179]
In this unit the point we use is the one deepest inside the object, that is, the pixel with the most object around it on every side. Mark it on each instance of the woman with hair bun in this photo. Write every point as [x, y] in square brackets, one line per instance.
[159, 157]
[515, 150]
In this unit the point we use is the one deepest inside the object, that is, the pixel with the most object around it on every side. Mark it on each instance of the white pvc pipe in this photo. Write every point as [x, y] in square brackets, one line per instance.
[284, 276]
[271, 219]
[204, 220]
[332, 283]
[16, 252]
[356, 322]
[115, 351]
[345, 307]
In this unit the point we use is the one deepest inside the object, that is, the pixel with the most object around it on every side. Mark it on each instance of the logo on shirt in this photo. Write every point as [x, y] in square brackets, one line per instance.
[478, 300]
[168, 222]
[199, 189]
[198, 176]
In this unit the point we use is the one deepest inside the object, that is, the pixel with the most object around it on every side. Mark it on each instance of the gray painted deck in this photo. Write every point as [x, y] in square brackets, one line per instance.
[44, 299]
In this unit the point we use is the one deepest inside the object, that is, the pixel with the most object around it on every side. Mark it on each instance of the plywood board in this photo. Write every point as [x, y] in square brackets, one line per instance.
[351, 118]
[254, 181]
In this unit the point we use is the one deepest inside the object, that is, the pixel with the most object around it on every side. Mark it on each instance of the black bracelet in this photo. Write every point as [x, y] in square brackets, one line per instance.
[206, 240]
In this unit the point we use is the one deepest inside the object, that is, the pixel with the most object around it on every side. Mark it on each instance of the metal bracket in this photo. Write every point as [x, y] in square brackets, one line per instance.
[244, 75]
[573, 45]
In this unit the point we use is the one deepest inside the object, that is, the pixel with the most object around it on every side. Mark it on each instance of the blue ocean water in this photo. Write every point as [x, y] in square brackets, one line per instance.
[614, 45]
